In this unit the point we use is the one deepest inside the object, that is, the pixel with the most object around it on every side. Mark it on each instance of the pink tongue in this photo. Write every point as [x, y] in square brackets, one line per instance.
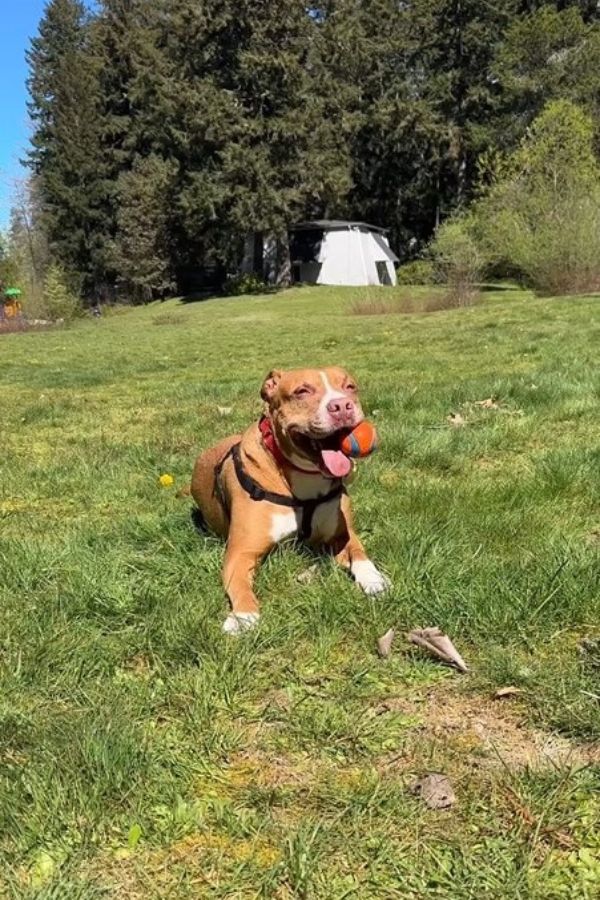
[336, 463]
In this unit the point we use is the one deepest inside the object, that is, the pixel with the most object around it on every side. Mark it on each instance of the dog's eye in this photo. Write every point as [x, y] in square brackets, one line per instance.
[303, 391]
[351, 387]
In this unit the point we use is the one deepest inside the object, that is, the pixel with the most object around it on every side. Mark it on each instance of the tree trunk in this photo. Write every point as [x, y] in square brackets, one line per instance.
[283, 265]
[258, 263]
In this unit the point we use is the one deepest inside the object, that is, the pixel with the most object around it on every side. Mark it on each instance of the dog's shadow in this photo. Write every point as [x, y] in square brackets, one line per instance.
[199, 522]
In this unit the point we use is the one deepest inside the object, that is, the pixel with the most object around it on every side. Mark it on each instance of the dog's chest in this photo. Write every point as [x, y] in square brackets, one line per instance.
[323, 523]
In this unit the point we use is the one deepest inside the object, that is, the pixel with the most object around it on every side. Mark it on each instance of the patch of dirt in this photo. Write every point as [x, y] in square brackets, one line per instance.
[482, 733]
[199, 859]
[593, 537]
[266, 770]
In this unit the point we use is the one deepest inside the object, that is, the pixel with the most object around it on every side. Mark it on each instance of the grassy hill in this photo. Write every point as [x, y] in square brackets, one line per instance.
[143, 754]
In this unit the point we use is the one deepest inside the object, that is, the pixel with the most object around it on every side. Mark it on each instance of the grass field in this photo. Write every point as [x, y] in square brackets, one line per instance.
[145, 755]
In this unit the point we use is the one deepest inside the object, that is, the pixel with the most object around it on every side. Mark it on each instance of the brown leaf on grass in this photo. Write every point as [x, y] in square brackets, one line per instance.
[384, 643]
[456, 420]
[438, 644]
[508, 691]
[489, 403]
[434, 790]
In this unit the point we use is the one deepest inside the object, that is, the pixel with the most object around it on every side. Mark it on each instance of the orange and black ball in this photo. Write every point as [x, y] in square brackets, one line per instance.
[361, 441]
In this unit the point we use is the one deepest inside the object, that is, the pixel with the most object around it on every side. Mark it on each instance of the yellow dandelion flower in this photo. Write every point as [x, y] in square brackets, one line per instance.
[166, 480]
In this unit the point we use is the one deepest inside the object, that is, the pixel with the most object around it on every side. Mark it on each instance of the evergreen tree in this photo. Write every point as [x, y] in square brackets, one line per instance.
[546, 55]
[188, 110]
[60, 303]
[423, 102]
[286, 157]
[65, 157]
[142, 251]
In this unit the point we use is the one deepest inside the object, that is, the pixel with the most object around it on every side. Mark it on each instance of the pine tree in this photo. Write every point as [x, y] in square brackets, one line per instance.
[393, 132]
[188, 113]
[123, 45]
[60, 303]
[546, 55]
[288, 158]
[142, 252]
[65, 154]
[421, 97]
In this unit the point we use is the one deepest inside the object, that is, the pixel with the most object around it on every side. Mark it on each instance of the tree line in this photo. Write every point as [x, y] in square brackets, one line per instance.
[165, 131]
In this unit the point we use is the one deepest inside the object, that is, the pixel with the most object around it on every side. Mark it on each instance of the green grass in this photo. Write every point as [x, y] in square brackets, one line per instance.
[143, 754]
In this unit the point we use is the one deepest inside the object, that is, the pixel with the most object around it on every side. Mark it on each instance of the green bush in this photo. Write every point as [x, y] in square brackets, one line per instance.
[457, 260]
[418, 271]
[59, 302]
[244, 283]
[540, 218]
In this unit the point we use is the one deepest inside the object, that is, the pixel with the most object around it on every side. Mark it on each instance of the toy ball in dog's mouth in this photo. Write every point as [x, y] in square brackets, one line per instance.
[359, 442]
[335, 453]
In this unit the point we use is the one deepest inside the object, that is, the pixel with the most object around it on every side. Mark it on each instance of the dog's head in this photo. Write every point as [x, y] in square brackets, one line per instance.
[311, 410]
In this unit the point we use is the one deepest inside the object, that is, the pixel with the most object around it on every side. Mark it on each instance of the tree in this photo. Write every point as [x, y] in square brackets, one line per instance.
[548, 54]
[27, 242]
[142, 252]
[9, 272]
[286, 159]
[423, 103]
[64, 155]
[541, 215]
[60, 303]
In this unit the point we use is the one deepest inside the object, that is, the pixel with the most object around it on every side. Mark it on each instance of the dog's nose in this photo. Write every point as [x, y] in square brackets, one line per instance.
[342, 412]
[340, 407]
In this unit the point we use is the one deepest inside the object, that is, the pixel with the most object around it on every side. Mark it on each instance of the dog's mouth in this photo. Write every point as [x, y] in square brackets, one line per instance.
[325, 451]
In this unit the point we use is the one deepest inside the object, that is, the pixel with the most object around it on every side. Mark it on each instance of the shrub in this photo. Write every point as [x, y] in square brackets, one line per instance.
[244, 283]
[457, 261]
[59, 301]
[381, 306]
[418, 271]
[540, 217]
[372, 305]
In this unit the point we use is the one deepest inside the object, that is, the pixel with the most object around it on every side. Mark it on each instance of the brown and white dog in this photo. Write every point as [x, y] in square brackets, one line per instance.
[284, 477]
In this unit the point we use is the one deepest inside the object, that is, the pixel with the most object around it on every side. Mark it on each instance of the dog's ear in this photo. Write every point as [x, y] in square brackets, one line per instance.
[270, 385]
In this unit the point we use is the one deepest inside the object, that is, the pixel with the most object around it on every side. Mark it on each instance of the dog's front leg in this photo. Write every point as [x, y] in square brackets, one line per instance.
[242, 556]
[349, 553]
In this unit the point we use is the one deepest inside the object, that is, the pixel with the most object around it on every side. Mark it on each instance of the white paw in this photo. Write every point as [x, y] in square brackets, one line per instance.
[369, 578]
[236, 623]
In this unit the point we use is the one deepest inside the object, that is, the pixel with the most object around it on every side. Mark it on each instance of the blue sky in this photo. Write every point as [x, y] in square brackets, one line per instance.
[20, 20]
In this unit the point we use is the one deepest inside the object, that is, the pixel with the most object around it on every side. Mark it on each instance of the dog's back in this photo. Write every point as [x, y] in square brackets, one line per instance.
[203, 485]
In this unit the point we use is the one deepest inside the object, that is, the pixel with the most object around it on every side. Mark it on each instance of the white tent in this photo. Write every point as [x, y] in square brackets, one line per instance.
[332, 251]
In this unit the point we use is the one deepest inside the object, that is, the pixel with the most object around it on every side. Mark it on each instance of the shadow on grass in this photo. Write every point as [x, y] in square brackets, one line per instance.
[216, 294]
[500, 286]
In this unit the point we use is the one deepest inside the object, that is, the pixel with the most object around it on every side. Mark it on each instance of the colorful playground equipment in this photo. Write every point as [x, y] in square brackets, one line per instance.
[10, 307]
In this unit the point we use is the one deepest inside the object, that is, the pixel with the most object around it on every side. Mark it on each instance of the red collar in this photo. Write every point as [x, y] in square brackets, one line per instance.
[270, 442]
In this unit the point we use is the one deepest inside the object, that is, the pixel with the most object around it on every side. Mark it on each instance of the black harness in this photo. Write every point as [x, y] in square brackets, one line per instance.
[256, 492]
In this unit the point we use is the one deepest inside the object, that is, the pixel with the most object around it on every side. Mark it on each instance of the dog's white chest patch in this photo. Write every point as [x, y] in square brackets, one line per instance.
[283, 525]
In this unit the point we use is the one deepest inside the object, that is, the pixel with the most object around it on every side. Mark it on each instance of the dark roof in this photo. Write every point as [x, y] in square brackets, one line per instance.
[381, 243]
[335, 225]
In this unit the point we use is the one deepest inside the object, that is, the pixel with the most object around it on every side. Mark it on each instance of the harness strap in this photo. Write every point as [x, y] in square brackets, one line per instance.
[256, 492]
